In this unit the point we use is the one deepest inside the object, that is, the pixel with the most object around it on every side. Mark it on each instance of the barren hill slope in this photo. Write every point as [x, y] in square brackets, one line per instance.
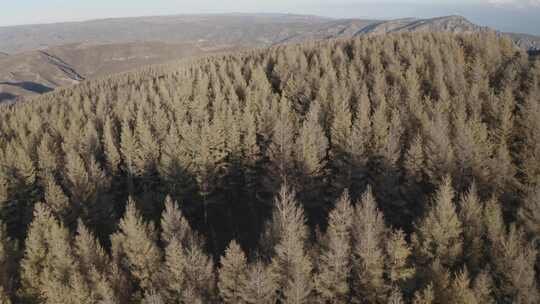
[40, 71]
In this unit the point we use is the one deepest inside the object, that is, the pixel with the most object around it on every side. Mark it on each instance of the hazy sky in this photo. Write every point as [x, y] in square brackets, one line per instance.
[506, 15]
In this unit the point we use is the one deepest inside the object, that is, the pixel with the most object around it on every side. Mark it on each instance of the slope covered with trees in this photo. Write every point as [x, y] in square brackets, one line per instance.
[391, 169]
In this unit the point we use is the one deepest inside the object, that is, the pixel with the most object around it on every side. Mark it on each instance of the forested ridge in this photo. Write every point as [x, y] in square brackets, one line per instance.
[400, 168]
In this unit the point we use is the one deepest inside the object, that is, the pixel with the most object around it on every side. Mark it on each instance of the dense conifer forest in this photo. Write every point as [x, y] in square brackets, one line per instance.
[386, 169]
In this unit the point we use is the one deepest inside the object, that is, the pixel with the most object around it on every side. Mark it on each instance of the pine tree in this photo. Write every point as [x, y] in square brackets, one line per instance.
[8, 264]
[4, 195]
[414, 160]
[232, 274]
[332, 280]
[175, 164]
[340, 134]
[47, 156]
[470, 214]
[461, 289]
[260, 285]
[93, 265]
[413, 92]
[21, 181]
[282, 146]
[90, 144]
[175, 226]
[57, 200]
[210, 162]
[482, 287]
[200, 278]
[174, 270]
[529, 214]
[152, 298]
[60, 271]
[147, 152]
[291, 262]
[439, 151]
[530, 151]
[399, 268]
[110, 145]
[78, 178]
[22, 165]
[513, 260]
[36, 254]
[135, 245]
[128, 149]
[312, 149]
[441, 278]
[188, 272]
[475, 148]
[381, 128]
[438, 235]
[395, 297]
[435, 65]
[505, 116]
[503, 175]
[424, 296]
[251, 152]
[376, 79]
[361, 135]
[369, 233]
[48, 266]
[4, 298]
[493, 222]
[438, 241]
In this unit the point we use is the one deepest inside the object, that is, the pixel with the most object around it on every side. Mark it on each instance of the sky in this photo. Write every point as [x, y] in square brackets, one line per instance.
[506, 15]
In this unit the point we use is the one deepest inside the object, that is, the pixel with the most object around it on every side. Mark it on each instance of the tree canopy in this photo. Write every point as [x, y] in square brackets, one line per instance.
[402, 168]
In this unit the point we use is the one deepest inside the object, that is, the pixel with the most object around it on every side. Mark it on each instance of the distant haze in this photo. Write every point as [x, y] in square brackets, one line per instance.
[505, 15]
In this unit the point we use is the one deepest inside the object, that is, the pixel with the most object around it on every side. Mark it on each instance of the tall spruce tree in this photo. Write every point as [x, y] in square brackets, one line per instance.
[261, 284]
[134, 245]
[438, 240]
[291, 261]
[232, 274]
[36, 254]
[333, 278]
[529, 214]
[369, 232]
[470, 214]
[8, 265]
[312, 146]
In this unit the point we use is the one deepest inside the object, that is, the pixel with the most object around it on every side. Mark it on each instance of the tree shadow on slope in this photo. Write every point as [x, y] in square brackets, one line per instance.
[5, 97]
[29, 86]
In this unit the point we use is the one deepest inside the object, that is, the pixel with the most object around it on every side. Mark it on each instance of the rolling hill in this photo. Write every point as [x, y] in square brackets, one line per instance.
[40, 71]
[209, 30]
[44, 57]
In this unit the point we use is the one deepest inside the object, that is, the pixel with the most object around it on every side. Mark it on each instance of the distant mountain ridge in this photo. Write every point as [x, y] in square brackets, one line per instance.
[526, 41]
[43, 57]
[453, 24]
[238, 29]
[353, 27]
